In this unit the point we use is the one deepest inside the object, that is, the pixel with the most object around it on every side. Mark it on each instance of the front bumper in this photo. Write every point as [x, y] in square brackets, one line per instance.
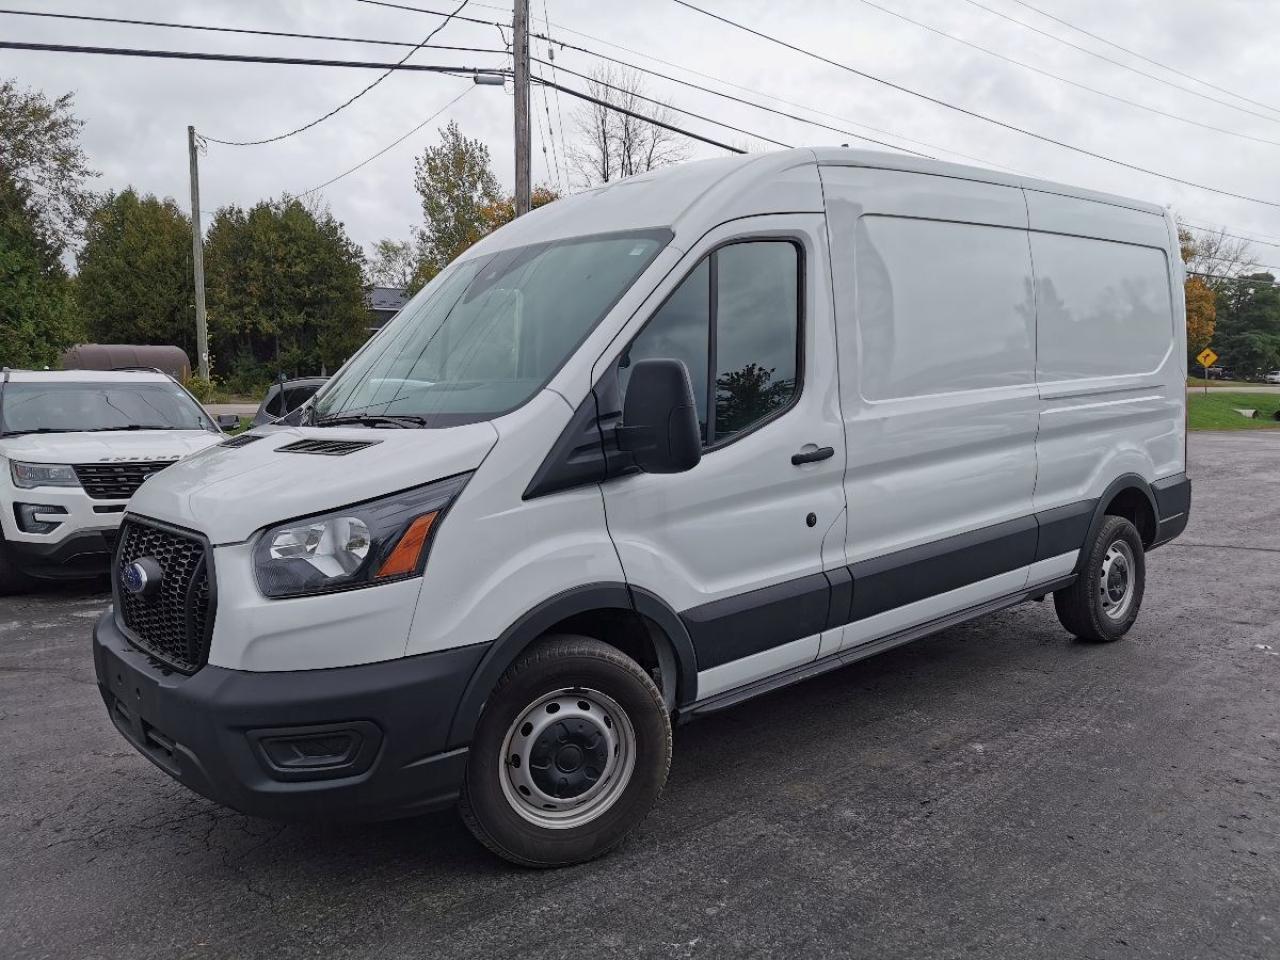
[86, 553]
[212, 730]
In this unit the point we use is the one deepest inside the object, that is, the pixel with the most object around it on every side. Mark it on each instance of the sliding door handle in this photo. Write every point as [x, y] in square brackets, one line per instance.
[812, 456]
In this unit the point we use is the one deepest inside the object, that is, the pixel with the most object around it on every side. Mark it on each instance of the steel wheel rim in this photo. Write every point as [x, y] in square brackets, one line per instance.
[567, 758]
[1117, 580]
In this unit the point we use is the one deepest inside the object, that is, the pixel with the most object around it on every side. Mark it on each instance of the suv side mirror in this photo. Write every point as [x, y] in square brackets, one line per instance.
[227, 421]
[659, 419]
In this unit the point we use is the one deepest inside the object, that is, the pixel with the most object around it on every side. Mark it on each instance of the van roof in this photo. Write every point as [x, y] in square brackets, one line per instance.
[696, 193]
[88, 376]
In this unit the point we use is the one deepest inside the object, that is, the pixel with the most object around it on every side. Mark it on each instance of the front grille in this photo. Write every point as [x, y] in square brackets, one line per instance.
[116, 481]
[174, 621]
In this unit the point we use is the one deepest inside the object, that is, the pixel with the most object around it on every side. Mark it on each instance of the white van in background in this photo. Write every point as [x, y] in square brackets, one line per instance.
[640, 455]
[74, 447]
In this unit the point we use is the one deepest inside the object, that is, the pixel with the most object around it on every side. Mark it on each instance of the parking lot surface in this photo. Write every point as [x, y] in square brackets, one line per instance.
[998, 790]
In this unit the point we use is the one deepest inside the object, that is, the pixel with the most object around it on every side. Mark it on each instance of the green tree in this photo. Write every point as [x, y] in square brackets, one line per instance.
[1248, 324]
[286, 290]
[36, 316]
[456, 184]
[134, 281]
[40, 149]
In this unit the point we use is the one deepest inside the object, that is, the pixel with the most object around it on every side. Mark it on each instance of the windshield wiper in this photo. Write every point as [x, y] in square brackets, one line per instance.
[23, 433]
[131, 426]
[402, 420]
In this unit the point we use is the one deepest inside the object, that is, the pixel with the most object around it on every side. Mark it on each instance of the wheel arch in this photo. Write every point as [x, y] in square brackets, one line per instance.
[1130, 496]
[586, 610]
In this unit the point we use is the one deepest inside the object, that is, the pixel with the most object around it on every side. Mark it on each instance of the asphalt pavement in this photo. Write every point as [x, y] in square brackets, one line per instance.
[998, 790]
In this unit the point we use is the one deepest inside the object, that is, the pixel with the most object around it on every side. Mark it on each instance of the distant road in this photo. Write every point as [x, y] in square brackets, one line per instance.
[1251, 388]
[239, 409]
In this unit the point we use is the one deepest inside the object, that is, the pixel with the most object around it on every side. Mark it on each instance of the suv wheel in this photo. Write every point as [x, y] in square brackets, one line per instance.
[570, 754]
[1103, 603]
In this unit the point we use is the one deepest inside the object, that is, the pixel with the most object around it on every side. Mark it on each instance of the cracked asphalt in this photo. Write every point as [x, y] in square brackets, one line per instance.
[998, 790]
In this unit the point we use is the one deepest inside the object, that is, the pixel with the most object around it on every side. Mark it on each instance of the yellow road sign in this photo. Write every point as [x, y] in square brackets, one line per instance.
[1206, 357]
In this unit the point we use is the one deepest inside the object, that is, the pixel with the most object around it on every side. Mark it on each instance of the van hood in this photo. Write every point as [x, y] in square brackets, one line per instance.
[230, 492]
[114, 446]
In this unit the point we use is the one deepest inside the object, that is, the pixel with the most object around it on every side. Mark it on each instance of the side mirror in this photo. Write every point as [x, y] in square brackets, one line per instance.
[659, 419]
[227, 421]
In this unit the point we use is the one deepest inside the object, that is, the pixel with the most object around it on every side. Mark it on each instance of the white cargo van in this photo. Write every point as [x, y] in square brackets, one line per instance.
[74, 447]
[645, 453]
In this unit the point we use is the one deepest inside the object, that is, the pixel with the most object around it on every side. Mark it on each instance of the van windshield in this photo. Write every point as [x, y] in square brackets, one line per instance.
[489, 332]
[33, 407]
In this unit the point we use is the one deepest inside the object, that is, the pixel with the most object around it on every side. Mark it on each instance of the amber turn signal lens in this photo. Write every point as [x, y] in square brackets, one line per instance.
[404, 558]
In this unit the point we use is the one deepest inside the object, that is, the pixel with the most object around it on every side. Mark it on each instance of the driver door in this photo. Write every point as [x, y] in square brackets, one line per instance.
[739, 545]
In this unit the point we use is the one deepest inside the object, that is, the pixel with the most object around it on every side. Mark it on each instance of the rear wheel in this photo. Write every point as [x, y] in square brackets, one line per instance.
[1104, 601]
[570, 754]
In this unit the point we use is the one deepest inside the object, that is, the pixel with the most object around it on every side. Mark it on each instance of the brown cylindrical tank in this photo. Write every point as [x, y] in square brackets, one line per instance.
[119, 356]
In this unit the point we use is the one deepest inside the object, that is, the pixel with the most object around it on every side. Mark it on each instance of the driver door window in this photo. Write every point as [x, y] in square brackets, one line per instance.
[735, 322]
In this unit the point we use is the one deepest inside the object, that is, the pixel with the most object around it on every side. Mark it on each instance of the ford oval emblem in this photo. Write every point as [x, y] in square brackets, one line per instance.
[142, 577]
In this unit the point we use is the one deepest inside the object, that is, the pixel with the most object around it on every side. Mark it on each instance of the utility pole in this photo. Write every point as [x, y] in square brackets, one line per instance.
[520, 52]
[197, 261]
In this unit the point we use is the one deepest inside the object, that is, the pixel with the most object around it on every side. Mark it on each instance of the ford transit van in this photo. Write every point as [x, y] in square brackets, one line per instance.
[645, 453]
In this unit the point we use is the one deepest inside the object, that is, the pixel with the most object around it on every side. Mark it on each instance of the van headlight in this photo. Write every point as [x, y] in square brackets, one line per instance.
[358, 546]
[31, 475]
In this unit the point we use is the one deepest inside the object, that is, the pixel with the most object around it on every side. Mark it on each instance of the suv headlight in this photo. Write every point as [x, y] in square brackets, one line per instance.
[359, 546]
[29, 475]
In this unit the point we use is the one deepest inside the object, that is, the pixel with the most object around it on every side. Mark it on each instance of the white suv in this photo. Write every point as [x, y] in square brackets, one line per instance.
[1273, 376]
[74, 446]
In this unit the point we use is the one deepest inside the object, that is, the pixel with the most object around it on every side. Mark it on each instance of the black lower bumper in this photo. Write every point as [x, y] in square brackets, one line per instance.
[86, 554]
[364, 742]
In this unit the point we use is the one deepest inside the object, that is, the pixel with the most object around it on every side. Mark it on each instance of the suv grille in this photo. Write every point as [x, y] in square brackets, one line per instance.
[173, 623]
[116, 481]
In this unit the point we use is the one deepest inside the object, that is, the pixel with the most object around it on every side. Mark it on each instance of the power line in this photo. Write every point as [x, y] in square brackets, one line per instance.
[973, 113]
[1118, 63]
[346, 103]
[459, 71]
[639, 116]
[759, 93]
[727, 96]
[389, 146]
[1233, 236]
[551, 55]
[245, 30]
[631, 66]
[438, 13]
[688, 113]
[1066, 80]
[1140, 56]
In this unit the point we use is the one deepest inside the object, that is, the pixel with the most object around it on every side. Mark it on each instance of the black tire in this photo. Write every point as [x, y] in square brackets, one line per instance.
[1082, 608]
[563, 666]
[12, 579]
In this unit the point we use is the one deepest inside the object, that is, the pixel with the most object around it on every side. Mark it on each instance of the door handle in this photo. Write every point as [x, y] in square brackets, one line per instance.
[812, 456]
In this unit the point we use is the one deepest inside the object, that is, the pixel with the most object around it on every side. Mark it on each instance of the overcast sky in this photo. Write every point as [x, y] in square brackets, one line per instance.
[137, 111]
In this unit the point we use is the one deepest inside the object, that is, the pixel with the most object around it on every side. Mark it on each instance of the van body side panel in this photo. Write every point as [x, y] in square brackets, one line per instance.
[498, 556]
[1111, 362]
[716, 542]
[935, 313]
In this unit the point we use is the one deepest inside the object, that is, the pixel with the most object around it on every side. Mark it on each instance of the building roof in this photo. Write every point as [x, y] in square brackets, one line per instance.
[386, 298]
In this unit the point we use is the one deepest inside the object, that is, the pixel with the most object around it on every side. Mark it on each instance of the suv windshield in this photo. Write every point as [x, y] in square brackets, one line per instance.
[489, 332]
[77, 407]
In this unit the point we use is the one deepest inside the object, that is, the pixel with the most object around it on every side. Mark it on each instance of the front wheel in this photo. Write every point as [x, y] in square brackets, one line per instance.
[570, 754]
[1103, 603]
